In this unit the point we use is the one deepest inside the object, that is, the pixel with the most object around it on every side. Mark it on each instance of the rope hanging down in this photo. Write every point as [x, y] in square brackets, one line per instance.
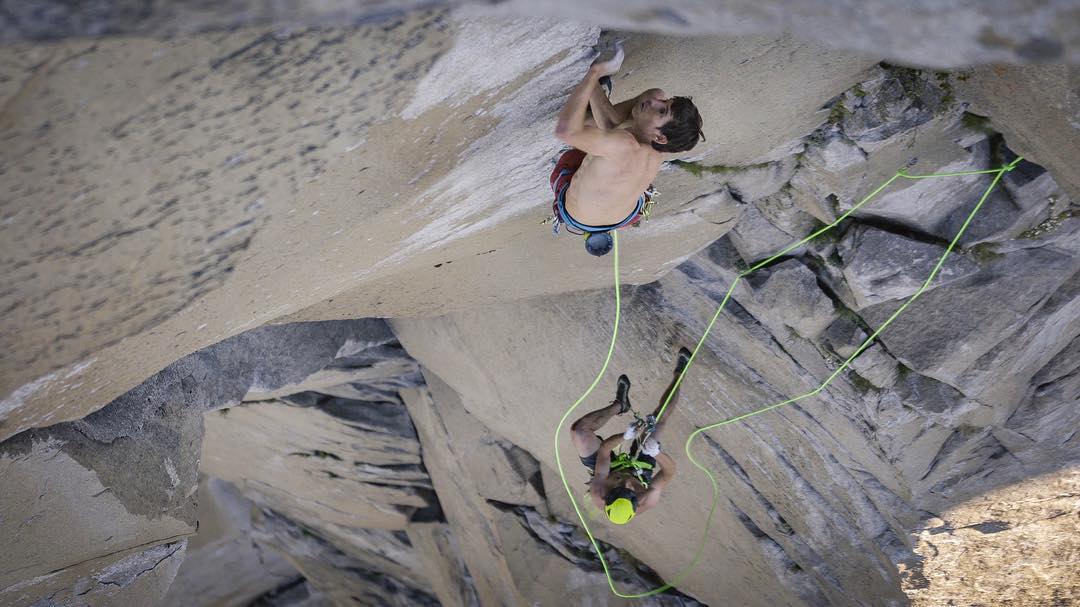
[902, 173]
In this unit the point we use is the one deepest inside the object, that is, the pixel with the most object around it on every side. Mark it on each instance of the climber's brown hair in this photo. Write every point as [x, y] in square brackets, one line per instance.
[683, 131]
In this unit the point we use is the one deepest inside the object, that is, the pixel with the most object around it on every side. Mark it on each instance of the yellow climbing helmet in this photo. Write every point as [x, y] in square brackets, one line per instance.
[620, 504]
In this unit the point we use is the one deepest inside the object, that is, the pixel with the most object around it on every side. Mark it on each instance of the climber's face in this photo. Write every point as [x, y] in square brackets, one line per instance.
[651, 113]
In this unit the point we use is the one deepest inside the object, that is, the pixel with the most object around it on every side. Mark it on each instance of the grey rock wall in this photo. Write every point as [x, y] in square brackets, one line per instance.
[158, 185]
[152, 223]
[125, 478]
[170, 156]
[825, 494]
[943, 34]
[223, 543]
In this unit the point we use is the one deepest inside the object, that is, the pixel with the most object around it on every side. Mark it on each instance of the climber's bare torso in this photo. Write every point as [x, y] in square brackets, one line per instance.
[606, 188]
[618, 140]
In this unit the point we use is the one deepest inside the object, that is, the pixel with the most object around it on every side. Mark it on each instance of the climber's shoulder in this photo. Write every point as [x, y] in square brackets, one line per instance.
[614, 143]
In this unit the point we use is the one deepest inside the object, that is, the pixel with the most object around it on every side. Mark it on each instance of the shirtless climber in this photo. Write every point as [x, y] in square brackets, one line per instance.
[599, 185]
[626, 484]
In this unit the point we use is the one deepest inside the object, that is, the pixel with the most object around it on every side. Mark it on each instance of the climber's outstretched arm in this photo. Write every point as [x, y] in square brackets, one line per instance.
[572, 127]
[609, 116]
[605, 114]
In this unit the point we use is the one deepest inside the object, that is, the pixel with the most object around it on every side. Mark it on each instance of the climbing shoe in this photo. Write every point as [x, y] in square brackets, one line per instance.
[684, 358]
[622, 394]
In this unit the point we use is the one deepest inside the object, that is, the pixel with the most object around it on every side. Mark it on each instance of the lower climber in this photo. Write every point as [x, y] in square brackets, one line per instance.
[626, 484]
[601, 183]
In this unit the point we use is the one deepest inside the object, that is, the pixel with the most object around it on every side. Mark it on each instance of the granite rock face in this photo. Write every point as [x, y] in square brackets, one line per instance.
[826, 494]
[158, 185]
[125, 477]
[1035, 110]
[409, 461]
[880, 266]
[943, 34]
[185, 148]
[223, 543]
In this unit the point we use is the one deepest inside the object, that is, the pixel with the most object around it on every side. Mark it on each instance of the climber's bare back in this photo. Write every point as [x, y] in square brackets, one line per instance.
[605, 190]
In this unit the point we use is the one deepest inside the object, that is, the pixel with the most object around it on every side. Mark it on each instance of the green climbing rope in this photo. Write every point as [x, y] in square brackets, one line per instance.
[902, 173]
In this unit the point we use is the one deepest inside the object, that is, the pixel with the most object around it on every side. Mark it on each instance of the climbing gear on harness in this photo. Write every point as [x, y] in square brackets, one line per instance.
[623, 461]
[646, 425]
[650, 201]
[639, 468]
[620, 504]
[679, 577]
[640, 217]
[640, 431]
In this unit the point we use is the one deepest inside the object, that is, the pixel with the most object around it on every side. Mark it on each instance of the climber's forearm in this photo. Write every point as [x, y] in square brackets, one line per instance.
[605, 114]
[667, 465]
[572, 116]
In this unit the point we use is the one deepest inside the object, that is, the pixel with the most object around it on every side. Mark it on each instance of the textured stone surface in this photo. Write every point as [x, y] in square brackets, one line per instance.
[1000, 311]
[471, 519]
[881, 460]
[498, 506]
[332, 463]
[124, 477]
[1012, 544]
[947, 33]
[283, 456]
[533, 538]
[193, 166]
[786, 295]
[660, 541]
[137, 577]
[223, 544]
[758, 236]
[439, 550]
[77, 506]
[953, 411]
[174, 155]
[879, 265]
[903, 118]
[1036, 108]
[342, 577]
[299, 594]
[844, 336]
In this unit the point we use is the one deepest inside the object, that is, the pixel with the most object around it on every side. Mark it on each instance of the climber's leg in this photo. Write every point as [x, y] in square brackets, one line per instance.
[583, 431]
[672, 389]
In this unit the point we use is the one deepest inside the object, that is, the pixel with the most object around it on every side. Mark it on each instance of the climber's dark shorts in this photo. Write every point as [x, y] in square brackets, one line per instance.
[567, 165]
[590, 461]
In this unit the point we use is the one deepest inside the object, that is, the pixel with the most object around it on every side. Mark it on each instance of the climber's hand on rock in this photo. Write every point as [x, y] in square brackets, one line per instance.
[610, 66]
[631, 432]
